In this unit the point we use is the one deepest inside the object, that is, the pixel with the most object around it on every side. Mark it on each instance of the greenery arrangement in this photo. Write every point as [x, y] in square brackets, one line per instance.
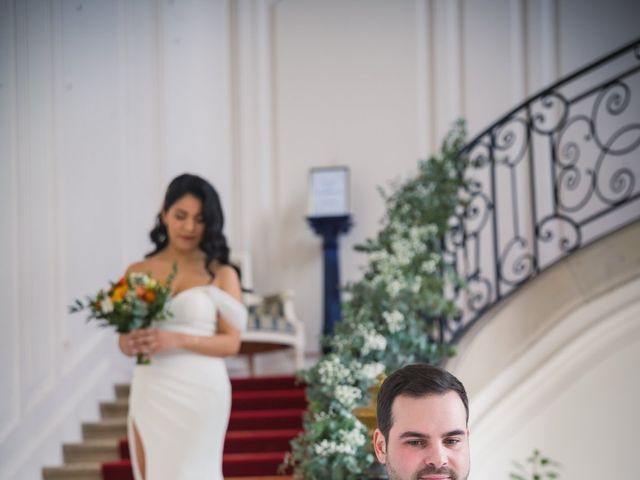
[540, 467]
[387, 320]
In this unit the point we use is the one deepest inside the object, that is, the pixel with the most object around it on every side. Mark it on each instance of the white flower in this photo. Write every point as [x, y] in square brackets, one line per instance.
[355, 437]
[372, 370]
[347, 395]
[137, 278]
[331, 371]
[429, 266]
[402, 251]
[395, 320]
[373, 341]
[326, 448]
[431, 229]
[417, 283]
[393, 289]
[106, 305]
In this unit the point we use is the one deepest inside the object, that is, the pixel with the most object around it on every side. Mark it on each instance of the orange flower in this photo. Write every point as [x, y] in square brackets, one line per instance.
[122, 281]
[140, 291]
[149, 297]
[118, 293]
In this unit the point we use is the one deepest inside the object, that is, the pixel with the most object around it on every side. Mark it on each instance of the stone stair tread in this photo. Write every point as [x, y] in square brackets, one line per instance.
[93, 450]
[108, 422]
[106, 428]
[93, 443]
[117, 408]
[121, 402]
[89, 470]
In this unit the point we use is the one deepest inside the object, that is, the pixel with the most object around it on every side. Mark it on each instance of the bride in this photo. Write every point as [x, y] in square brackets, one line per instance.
[179, 404]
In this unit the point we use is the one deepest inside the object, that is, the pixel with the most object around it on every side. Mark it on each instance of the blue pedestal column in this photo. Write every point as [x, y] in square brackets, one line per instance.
[329, 228]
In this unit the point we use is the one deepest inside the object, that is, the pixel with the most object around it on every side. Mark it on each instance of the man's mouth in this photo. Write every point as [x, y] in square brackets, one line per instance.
[431, 473]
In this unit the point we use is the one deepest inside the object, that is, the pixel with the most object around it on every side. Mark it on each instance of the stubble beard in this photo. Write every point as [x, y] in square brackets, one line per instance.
[429, 470]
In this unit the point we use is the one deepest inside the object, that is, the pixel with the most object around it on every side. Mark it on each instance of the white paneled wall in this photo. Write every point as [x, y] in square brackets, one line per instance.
[102, 103]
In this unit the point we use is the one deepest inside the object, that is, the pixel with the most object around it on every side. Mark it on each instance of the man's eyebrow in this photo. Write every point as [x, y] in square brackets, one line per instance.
[452, 433]
[413, 435]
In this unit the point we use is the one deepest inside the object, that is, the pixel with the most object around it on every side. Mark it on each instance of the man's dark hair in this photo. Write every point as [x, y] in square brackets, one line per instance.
[417, 380]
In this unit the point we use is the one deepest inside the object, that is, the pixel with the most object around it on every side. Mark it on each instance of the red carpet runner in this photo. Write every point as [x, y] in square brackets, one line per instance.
[266, 413]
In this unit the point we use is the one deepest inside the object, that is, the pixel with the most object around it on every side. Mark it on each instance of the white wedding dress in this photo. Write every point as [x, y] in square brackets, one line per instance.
[180, 403]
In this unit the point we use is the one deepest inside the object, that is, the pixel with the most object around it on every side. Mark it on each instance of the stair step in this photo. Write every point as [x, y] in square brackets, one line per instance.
[122, 391]
[259, 441]
[239, 384]
[276, 382]
[246, 464]
[91, 451]
[114, 409]
[273, 399]
[242, 400]
[236, 464]
[266, 419]
[262, 477]
[244, 441]
[105, 429]
[76, 471]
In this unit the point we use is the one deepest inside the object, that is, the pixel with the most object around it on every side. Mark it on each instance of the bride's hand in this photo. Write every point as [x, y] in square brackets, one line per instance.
[150, 341]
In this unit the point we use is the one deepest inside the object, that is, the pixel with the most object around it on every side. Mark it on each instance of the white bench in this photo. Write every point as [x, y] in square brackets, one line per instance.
[272, 323]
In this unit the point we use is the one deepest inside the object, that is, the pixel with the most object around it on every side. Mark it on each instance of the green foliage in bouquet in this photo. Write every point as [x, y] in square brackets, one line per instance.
[388, 318]
[539, 468]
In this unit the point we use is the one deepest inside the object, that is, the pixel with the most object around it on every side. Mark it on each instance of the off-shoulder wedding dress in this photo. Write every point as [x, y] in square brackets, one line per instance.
[180, 403]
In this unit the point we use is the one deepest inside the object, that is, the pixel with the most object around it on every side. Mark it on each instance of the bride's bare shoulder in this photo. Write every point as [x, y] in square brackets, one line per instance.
[143, 266]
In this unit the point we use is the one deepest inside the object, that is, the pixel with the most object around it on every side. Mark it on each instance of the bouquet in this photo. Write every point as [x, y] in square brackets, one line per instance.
[134, 302]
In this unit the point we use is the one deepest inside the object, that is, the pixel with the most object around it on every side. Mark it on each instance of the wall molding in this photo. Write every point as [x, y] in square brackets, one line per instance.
[455, 64]
[12, 233]
[550, 41]
[254, 132]
[519, 51]
[425, 84]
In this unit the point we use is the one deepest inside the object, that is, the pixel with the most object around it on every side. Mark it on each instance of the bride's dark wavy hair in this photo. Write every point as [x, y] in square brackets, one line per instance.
[214, 243]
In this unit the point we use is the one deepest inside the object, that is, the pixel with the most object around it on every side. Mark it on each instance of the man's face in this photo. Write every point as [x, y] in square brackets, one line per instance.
[428, 440]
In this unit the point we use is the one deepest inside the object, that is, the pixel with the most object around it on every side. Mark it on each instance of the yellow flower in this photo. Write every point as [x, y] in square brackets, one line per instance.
[118, 293]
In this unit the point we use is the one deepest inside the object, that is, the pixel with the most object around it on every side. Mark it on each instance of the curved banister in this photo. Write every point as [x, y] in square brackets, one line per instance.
[553, 174]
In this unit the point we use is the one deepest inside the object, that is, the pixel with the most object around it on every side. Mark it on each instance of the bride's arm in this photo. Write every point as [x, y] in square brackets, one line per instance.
[225, 342]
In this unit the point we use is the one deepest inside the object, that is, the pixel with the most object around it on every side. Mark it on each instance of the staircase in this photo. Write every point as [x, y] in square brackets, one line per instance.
[266, 413]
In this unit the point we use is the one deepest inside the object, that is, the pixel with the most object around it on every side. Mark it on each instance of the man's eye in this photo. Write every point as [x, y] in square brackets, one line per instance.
[451, 442]
[415, 443]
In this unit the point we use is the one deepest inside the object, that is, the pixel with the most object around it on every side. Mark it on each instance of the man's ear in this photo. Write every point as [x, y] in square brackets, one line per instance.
[380, 446]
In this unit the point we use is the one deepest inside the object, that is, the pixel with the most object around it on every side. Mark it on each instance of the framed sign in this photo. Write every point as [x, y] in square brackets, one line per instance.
[328, 192]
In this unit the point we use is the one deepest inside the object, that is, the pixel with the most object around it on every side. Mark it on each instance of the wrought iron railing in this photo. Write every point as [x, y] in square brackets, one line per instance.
[551, 176]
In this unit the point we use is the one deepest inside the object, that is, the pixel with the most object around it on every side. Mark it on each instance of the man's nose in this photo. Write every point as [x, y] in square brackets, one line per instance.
[435, 455]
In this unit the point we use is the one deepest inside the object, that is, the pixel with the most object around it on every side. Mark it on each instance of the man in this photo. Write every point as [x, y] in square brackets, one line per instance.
[422, 433]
